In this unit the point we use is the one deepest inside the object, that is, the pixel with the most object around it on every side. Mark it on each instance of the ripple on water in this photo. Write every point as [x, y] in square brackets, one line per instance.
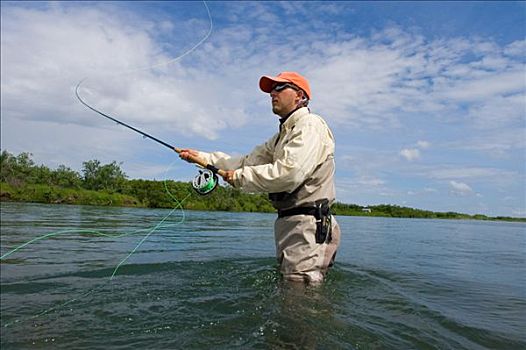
[218, 287]
[239, 303]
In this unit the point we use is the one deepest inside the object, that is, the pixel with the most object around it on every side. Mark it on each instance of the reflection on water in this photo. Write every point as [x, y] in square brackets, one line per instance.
[212, 282]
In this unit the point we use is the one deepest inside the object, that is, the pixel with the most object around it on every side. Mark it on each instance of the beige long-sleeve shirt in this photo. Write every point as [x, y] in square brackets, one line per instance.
[286, 160]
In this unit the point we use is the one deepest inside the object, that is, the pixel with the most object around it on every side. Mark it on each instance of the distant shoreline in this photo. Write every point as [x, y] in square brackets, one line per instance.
[46, 194]
[21, 180]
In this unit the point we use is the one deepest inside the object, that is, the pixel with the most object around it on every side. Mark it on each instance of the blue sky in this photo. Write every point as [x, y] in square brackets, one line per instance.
[426, 99]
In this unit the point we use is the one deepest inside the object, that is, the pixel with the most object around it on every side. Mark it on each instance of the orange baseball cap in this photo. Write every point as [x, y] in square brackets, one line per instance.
[267, 82]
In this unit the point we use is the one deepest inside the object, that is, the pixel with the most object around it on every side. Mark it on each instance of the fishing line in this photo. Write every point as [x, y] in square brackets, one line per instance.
[160, 225]
[173, 60]
[156, 227]
[103, 234]
[203, 188]
[206, 181]
[178, 58]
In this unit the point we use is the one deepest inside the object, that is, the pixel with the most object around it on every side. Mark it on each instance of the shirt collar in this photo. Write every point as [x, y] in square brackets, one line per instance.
[293, 117]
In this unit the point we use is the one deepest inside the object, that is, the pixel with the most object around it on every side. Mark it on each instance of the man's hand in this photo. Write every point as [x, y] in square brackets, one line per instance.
[229, 177]
[187, 153]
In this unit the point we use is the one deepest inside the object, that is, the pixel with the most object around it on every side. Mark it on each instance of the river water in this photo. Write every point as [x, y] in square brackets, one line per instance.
[202, 280]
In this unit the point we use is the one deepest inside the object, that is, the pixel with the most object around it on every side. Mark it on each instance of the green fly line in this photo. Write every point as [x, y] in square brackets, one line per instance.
[203, 188]
[161, 224]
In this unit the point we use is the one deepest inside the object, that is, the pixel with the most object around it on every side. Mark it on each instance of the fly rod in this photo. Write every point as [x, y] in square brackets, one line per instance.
[205, 182]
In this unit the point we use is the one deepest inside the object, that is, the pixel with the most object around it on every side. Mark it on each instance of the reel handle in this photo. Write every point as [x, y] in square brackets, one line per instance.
[201, 162]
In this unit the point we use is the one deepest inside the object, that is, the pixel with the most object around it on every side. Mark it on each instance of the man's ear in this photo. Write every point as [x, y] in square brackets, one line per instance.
[302, 97]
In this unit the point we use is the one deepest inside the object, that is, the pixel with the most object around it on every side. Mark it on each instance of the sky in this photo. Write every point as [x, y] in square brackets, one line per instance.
[427, 100]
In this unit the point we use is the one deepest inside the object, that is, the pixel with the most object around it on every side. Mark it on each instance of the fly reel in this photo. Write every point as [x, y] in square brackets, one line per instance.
[205, 182]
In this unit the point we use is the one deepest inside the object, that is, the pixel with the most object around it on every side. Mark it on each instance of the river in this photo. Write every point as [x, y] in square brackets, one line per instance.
[126, 278]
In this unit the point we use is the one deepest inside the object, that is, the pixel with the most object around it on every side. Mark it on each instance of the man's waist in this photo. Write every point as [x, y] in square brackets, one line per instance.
[297, 211]
[320, 208]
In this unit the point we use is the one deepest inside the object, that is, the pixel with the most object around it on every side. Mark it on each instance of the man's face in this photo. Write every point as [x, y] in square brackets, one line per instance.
[284, 99]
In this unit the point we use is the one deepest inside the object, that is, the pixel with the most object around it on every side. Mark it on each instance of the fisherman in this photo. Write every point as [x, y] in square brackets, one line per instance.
[296, 168]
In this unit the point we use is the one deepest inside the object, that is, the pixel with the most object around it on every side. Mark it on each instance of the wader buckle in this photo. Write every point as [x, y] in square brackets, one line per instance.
[321, 212]
[323, 221]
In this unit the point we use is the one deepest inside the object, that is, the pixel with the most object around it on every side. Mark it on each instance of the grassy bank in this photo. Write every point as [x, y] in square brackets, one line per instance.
[21, 180]
[39, 193]
[139, 193]
[153, 194]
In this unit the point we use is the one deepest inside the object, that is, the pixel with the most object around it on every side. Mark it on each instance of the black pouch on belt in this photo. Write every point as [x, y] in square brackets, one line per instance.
[323, 221]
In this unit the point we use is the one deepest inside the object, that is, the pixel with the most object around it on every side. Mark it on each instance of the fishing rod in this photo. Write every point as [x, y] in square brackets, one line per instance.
[205, 182]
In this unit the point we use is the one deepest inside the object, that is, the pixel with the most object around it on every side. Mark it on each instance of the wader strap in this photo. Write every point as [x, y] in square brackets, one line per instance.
[298, 211]
[321, 212]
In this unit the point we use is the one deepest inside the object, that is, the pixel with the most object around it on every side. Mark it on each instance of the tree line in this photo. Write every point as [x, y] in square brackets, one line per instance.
[107, 184]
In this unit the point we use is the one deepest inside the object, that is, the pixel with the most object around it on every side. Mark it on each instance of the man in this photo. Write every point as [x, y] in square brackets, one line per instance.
[296, 168]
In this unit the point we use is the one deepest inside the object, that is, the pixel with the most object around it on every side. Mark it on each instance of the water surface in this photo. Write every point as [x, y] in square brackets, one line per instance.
[209, 280]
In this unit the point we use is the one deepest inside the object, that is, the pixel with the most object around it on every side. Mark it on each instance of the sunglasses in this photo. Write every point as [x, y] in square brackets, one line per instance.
[281, 87]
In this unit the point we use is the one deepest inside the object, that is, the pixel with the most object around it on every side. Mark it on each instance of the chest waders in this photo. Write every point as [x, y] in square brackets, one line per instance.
[321, 212]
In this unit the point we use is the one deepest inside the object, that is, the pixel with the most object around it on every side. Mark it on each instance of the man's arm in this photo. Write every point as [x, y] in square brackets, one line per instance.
[261, 154]
[306, 148]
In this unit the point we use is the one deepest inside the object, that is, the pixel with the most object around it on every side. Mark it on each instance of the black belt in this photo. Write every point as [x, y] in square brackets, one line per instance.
[321, 211]
[298, 211]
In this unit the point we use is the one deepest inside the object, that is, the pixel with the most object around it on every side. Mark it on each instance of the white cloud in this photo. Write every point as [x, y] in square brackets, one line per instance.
[410, 154]
[423, 144]
[516, 48]
[489, 178]
[369, 86]
[519, 212]
[460, 188]
[357, 81]
[424, 191]
[371, 82]
[370, 181]
[499, 111]
[45, 52]
[449, 172]
[362, 184]
[499, 144]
